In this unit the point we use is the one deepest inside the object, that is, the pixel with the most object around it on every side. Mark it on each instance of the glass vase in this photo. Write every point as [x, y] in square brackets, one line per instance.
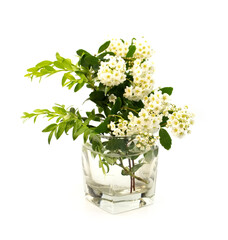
[118, 176]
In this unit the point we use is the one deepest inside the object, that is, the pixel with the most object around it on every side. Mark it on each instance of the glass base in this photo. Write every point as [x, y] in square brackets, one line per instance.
[120, 203]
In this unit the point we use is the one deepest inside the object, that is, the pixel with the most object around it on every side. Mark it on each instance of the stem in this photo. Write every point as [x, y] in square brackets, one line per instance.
[133, 110]
[131, 179]
[130, 173]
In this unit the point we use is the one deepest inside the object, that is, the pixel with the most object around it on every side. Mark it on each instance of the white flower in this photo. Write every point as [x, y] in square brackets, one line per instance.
[180, 121]
[118, 47]
[112, 98]
[143, 49]
[112, 72]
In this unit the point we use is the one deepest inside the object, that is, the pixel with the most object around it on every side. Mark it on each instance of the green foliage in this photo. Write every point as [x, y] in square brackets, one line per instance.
[136, 167]
[64, 121]
[87, 61]
[117, 144]
[85, 73]
[47, 68]
[164, 121]
[102, 55]
[104, 46]
[165, 139]
[116, 107]
[131, 51]
[103, 127]
[167, 90]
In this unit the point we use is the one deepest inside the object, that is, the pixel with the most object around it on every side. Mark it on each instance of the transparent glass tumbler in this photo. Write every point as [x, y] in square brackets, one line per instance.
[119, 180]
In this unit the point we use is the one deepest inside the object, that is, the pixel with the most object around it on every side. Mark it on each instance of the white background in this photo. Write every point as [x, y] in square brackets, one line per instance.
[41, 192]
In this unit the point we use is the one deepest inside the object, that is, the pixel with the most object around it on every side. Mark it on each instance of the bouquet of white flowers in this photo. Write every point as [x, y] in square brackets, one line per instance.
[127, 105]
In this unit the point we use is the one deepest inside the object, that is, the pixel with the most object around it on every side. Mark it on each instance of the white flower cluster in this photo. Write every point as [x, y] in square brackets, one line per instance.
[143, 82]
[112, 72]
[157, 103]
[143, 49]
[118, 47]
[180, 121]
[134, 126]
[148, 121]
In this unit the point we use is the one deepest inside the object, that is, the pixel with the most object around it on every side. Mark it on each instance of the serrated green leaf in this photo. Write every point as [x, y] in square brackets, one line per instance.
[165, 139]
[131, 51]
[43, 63]
[50, 127]
[104, 46]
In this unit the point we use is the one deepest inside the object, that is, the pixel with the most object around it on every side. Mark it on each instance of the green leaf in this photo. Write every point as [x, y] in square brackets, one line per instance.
[148, 156]
[103, 127]
[110, 160]
[82, 76]
[97, 96]
[79, 86]
[125, 173]
[60, 110]
[96, 143]
[33, 69]
[164, 121]
[167, 90]
[136, 167]
[131, 51]
[165, 139]
[80, 52]
[116, 107]
[50, 127]
[58, 64]
[86, 134]
[67, 64]
[116, 144]
[49, 68]
[102, 55]
[58, 57]
[104, 46]
[50, 136]
[77, 126]
[69, 125]
[43, 63]
[88, 61]
[61, 129]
